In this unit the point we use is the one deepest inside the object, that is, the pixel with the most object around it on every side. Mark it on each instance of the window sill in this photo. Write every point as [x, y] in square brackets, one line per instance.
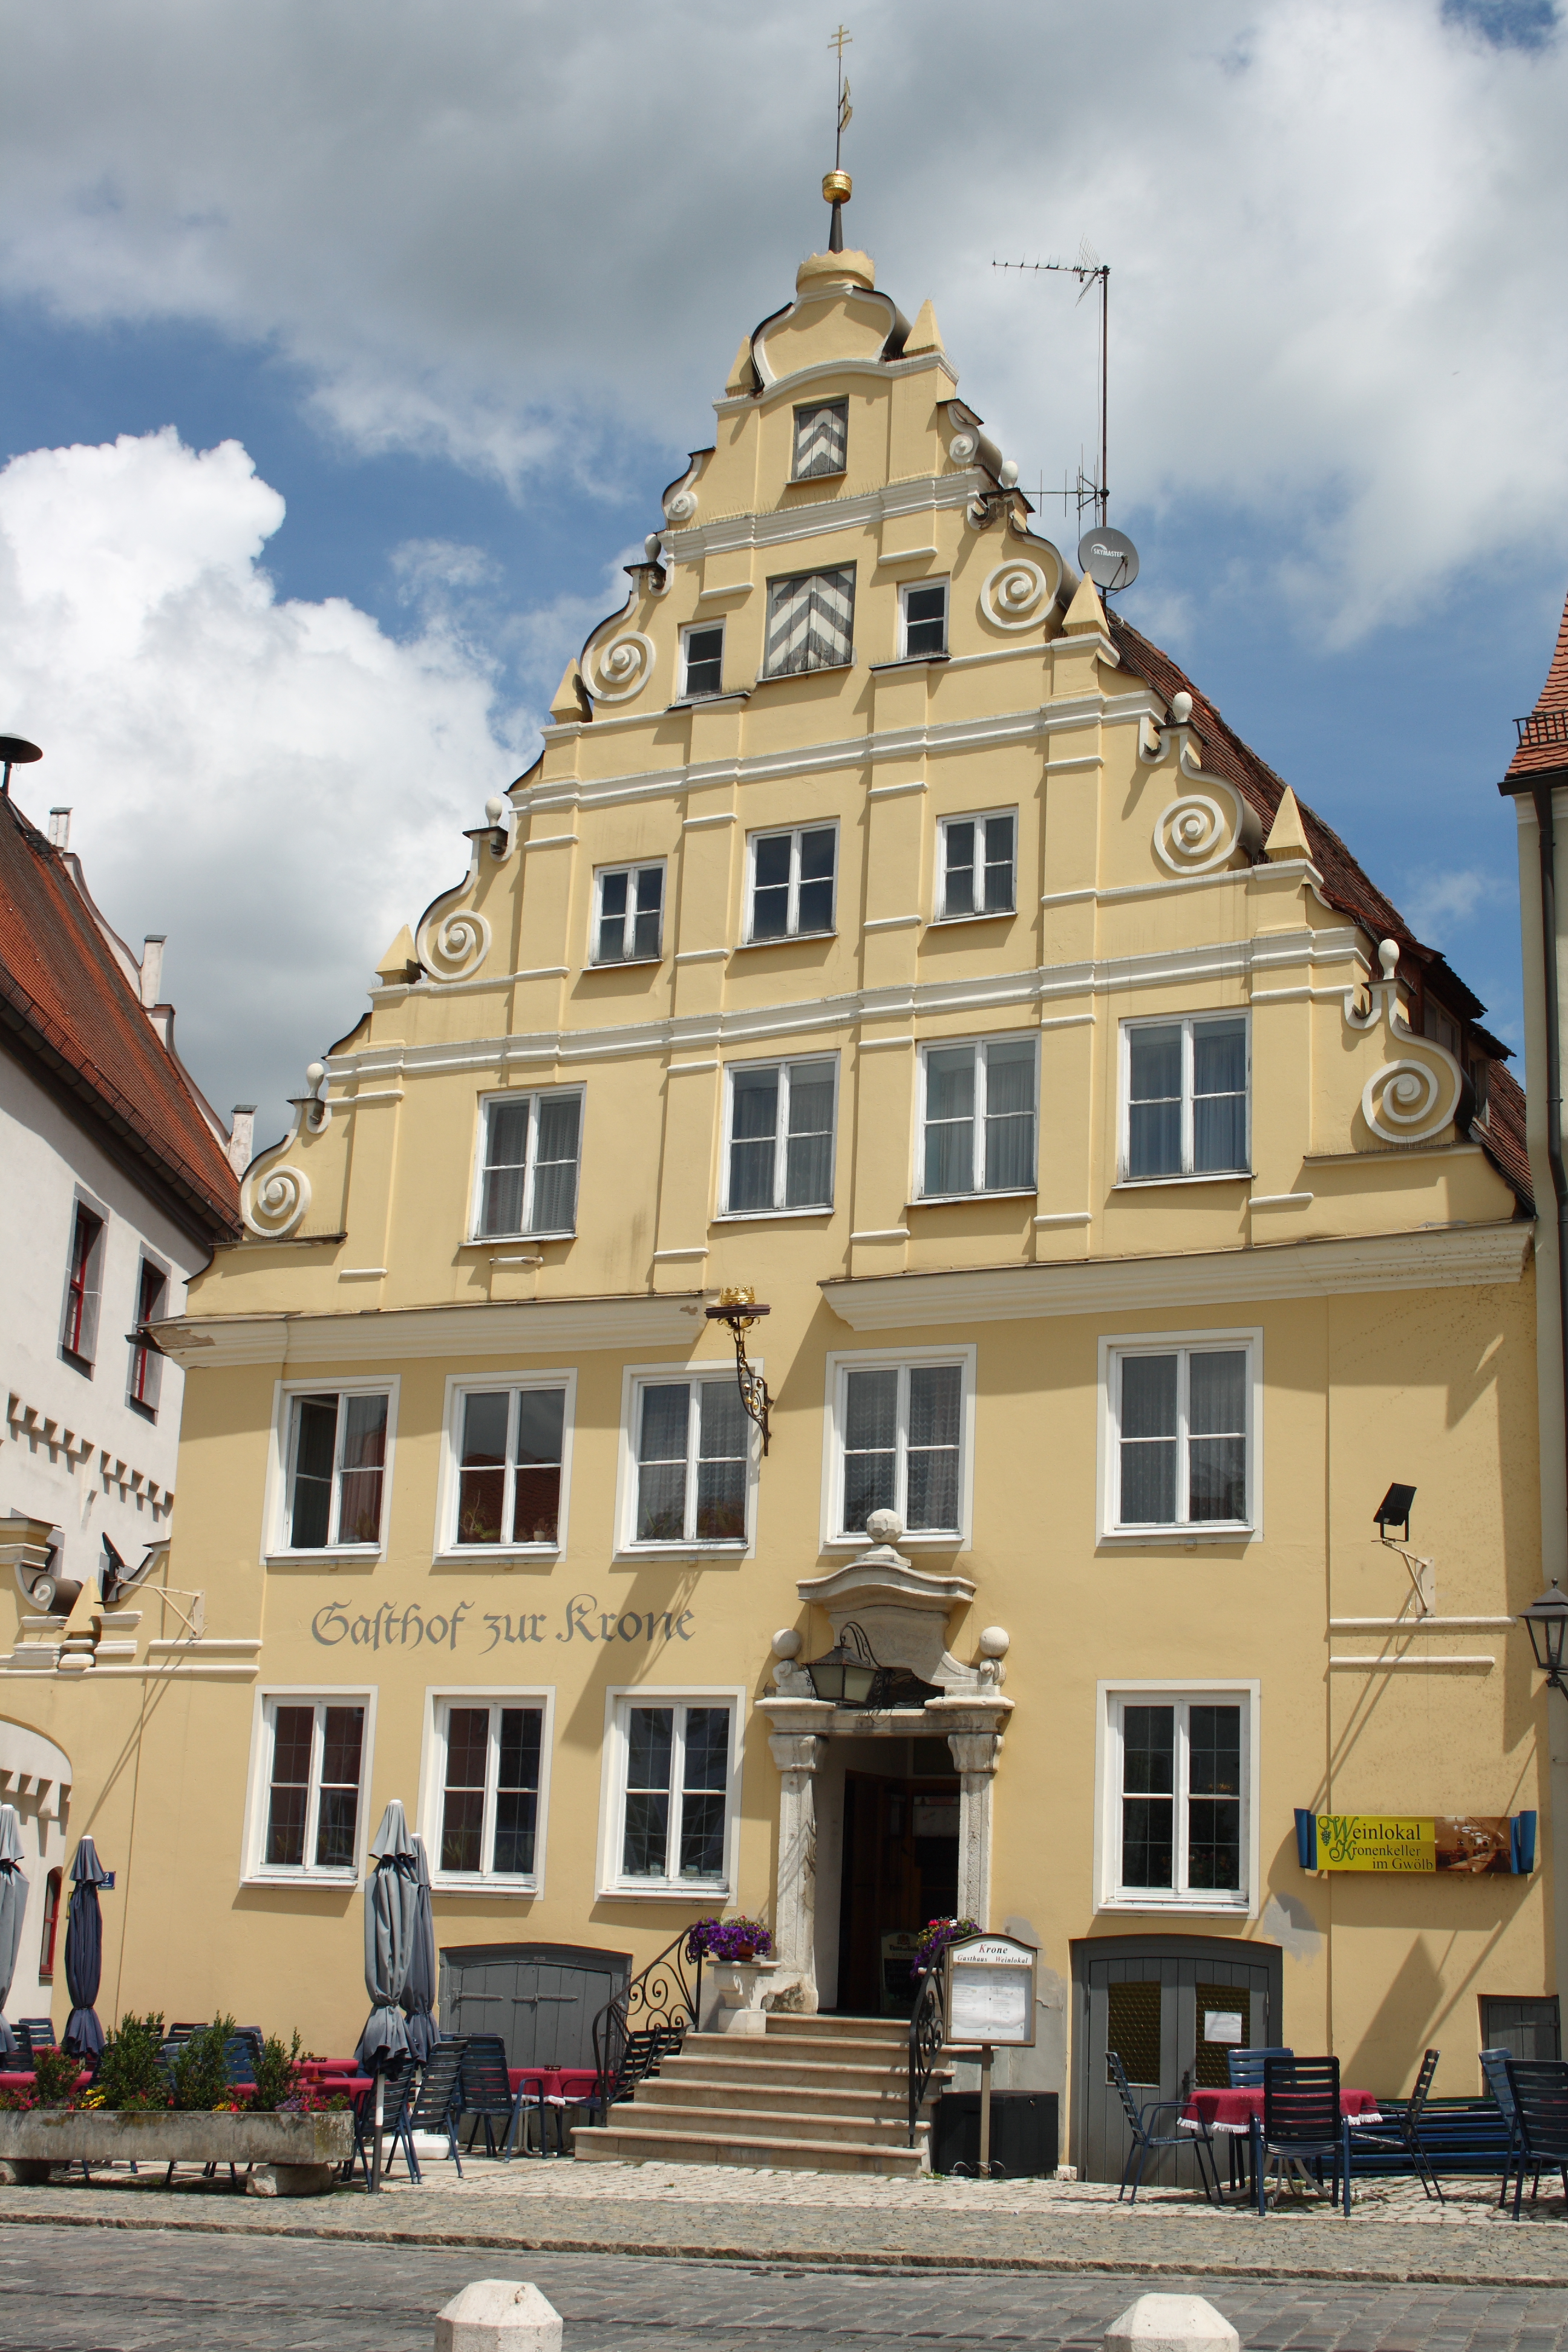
[985, 915]
[787, 939]
[503, 1241]
[326, 1556]
[508, 1890]
[908, 661]
[697, 1551]
[817, 669]
[825, 474]
[78, 1364]
[334, 1880]
[147, 1411]
[948, 1539]
[1213, 1907]
[1211, 1176]
[698, 701]
[477, 1554]
[1227, 1532]
[945, 1200]
[766, 1216]
[623, 964]
[690, 1891]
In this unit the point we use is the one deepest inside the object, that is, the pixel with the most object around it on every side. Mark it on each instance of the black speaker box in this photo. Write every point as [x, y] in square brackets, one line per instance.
[1024, 2134]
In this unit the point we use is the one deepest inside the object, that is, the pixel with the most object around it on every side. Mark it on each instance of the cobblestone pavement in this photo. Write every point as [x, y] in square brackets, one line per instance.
[72, 2290]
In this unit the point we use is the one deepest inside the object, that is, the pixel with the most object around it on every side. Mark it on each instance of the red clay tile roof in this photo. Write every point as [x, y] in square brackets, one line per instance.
[1545, 731]
[1346, 886]
[67, 1007]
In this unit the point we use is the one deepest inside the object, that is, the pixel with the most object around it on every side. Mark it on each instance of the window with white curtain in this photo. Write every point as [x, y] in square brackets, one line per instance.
[691, 1461]
[900, 1427]
[977, 1117]
[1182, 1424]
[779, 1144]
[532, 1149]
[1184, 1098]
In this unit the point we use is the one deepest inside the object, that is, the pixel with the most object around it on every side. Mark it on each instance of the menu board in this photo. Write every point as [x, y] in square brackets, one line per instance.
[991, 1992]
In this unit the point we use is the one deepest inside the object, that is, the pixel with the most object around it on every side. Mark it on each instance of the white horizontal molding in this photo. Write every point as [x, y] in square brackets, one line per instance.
[205, 1646]
[1420, 1624]
[1438, 1258]
[489, 1327]
[1434, 1660]
[822, 517]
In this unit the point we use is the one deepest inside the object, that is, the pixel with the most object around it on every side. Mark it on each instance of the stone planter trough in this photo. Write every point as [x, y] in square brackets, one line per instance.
[294, 2154]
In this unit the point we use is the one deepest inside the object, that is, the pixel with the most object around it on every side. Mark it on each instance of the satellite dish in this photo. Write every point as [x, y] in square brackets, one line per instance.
[1109, 556]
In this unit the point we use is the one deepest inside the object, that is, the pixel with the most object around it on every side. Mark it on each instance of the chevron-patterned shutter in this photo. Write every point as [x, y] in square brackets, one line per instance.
[821, 439]
[811, 621]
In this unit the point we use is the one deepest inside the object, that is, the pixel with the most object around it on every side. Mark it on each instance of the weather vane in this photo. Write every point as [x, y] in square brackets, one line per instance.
[836, 186]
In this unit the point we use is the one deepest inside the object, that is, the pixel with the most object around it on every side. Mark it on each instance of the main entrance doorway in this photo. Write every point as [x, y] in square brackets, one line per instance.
[1168, 2005]
[900, 1870]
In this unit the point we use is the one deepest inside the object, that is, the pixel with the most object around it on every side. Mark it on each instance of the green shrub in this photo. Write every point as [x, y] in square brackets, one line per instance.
[129, 2074]
[54, 2073]
[275, 2072]
[198, 2074]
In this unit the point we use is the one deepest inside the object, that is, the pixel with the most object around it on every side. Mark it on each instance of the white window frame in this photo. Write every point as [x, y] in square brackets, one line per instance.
[793, 931]
[918, 1195]
[525, 1233]
[635, 1377]
[842, 1362]
[631, 867]
[254, 1872]
[276, 1549]
[704, 695]
[1110, 1697]
[1190, 1532]
[610, 1884]
[782, 1063]
[942, 581]
[983, 914]
[448, 1551]
[1187, 1175]
[433, 1785]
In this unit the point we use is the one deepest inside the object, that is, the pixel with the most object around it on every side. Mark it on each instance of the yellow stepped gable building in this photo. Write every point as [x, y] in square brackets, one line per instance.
[887, 935]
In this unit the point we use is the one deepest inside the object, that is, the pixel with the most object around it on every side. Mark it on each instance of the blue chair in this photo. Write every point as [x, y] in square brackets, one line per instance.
[1539, 2090]
[1404, 2138]
[432, 2096]
[1247, 2066]
[1301, 2124]
[1140, 2124]
[1494, 2070]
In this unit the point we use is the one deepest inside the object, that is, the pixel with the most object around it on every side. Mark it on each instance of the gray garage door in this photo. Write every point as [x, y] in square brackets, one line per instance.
[541, 1999]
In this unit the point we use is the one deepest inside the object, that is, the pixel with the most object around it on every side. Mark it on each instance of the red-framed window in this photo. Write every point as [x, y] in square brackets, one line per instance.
[146, 1362]
[79, 1335]
[51, 1927]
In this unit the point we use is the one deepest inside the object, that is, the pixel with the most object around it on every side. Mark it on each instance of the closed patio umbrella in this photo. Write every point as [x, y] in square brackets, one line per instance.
[84, 1952]
[13, 1910]
[390, 1904]
[418, 1996]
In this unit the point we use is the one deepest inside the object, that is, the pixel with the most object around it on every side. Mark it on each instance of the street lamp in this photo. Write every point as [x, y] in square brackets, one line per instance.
[1547, 1620]
[738, 1309]
[848, 1675]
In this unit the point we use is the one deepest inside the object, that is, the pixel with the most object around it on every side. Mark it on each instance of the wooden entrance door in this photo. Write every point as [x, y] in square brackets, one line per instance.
[900, 1870]
[1169, 2006]
[541, 1999]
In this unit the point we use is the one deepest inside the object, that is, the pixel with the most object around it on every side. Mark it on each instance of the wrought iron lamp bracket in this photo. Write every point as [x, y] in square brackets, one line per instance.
[738, 1309]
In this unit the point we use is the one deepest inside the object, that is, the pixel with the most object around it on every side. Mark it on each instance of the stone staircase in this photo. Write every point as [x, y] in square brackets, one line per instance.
[814, 2094]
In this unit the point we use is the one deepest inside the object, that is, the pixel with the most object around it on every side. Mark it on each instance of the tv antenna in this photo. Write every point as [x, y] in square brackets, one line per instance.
[1090, 271]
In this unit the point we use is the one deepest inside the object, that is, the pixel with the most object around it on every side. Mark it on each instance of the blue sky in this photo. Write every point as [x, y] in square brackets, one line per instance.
[363, 343]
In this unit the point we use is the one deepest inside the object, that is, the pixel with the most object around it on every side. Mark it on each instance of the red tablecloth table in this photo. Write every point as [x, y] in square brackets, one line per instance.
[28, 2082]
[1236, 2111]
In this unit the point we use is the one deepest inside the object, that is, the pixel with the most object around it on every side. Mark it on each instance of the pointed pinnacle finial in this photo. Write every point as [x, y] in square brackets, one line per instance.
[836, 186]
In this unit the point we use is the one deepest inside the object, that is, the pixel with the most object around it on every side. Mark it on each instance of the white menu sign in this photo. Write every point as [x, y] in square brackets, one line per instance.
[991, 1992]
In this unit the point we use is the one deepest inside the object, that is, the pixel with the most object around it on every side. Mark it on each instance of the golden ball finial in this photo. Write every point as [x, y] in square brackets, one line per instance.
[837, 187]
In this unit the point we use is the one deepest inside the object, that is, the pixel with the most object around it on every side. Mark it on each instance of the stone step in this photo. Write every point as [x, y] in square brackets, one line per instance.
[762, 2123]
[696, 2090]
[620, 2143]
[820, 2049]
[830, 2029]
[762, 2073]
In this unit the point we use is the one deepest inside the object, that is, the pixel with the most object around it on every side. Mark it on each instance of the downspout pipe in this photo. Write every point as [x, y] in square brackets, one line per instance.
[1546, 834]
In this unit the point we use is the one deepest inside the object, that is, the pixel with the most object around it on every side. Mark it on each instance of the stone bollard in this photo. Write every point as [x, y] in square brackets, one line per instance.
[1171, 2323]
[499, 2316]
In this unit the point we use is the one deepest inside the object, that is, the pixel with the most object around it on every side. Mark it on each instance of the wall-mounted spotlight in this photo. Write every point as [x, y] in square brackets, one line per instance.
[1393, 1511]
[739, 1310]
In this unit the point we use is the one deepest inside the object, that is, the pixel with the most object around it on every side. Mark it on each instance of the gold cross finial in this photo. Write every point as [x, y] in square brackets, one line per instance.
[841, 40]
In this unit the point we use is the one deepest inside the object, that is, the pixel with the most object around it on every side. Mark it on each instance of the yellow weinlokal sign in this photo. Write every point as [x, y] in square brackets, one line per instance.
[1472, 1843]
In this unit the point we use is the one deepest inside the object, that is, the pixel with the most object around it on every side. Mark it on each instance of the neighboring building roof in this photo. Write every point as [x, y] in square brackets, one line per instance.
[1346, 886]
[67, 1007]
[1543, 736]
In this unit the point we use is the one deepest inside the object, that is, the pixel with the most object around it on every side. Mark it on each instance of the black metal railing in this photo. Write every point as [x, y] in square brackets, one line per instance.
[925, 2043]
[1543, 727]
[647, 2022]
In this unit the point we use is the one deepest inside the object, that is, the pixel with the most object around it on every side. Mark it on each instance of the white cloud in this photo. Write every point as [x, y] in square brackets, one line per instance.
[1436, 903]
[277, 785]
[504, 232]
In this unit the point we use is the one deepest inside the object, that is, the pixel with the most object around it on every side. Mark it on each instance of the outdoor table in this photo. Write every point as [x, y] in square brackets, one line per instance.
[1236, 2111]
[28, 2082]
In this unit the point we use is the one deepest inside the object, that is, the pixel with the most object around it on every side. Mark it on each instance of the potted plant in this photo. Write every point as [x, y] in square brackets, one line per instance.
[729, 1939]
[934, 1939]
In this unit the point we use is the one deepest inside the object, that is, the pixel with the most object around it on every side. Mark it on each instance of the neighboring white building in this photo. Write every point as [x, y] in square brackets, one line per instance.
[116, 1179]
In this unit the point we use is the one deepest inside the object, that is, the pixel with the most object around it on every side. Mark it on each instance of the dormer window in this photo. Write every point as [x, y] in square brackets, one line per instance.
[821, 439]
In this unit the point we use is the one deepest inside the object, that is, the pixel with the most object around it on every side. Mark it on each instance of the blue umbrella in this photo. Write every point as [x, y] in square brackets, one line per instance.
[13, 1909]
[84, 1952]
[418, 1996]
[391, 1903]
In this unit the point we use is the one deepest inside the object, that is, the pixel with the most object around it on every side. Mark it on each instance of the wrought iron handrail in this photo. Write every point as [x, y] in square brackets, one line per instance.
[1543, 727]
[925, 2041]
[663, 1999]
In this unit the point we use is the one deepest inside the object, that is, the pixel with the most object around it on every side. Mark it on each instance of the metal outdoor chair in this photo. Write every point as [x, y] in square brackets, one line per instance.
[486, 2093]
[1245, 2068]
[430, 2103]
[36, 2033]
[639, 2058]
[1494, 2071]
[1404, 2136]
[1540, 2088]
[1145, 2140]
[1301, 2124]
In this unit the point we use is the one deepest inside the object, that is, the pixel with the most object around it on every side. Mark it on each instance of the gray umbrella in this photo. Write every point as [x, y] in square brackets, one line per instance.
[391, 1905]
[84, 1951]
[13, 1911]
[418, 1996]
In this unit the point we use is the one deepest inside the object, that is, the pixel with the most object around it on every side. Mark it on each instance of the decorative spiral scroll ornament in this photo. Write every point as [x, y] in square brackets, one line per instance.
[1195, 834]
[450, 947]
[1410, 1102]
[963, 449]
[681, 505]
[273, 1202]
[620, 670]
[1015, 595]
